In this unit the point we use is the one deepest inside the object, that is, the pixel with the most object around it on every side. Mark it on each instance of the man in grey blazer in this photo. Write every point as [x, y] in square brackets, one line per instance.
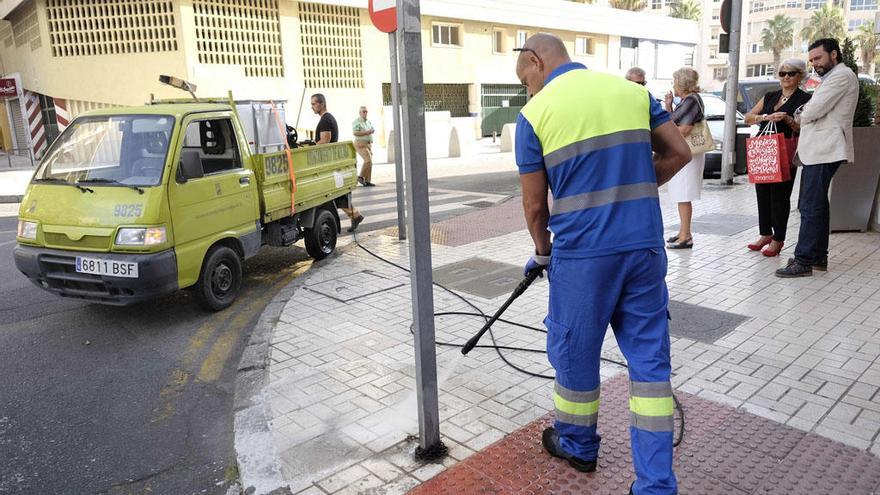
[825, 143]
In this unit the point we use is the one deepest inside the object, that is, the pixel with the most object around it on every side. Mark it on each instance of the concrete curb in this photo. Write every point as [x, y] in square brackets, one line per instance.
[257, 460]
[11, 199]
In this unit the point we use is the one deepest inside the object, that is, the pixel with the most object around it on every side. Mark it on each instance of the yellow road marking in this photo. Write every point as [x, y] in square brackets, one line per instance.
[213, 365]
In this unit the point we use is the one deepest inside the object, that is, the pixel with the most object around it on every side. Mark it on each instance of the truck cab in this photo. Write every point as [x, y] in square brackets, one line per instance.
[135, 202]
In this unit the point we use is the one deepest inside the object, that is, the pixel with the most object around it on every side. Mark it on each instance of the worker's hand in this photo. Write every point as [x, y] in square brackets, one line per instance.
[537, 262]
[668, 99]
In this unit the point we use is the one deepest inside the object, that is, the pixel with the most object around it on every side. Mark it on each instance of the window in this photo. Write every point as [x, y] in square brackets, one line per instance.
[720, 74]
[760, 70]
[792, 4]
[583, 46]
[714, 35]
[753, 48]
[713, 53]
[813, 4]
[452, 98]
[256, 25]
[214, 143]
[656, 4]
[50, 120]
[79, 29]
[716, 14]
[863, 5]
[498, 41]
[446, 35]
[521, 37]
[331, 46]
[854, 24]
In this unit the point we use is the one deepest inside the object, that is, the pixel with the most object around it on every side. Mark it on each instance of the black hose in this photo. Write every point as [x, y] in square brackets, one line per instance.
[498, 348]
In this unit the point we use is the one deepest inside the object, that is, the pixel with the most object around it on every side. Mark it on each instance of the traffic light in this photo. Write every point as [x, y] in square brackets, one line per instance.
[725, 16]
[724, 38]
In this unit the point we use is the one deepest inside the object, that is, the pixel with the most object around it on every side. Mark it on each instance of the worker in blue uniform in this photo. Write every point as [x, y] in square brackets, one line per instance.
[602, 146]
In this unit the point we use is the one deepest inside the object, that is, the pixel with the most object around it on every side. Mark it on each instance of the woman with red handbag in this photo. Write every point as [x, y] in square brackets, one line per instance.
[774, 200]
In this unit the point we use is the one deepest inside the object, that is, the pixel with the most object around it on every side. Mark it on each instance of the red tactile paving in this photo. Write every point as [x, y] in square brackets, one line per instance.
[725, 452]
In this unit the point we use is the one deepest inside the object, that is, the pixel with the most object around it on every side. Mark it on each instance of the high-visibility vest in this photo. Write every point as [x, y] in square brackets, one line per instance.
[594, 131]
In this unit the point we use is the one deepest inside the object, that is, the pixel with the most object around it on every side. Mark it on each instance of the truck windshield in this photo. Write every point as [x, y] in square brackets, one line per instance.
[125, 150]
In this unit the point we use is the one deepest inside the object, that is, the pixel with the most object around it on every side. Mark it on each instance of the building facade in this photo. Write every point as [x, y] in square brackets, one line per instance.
[71, 56]
[759, 61]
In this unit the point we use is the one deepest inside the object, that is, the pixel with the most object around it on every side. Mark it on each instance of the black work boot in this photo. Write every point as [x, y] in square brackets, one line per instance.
[821, 265]
[550, 441]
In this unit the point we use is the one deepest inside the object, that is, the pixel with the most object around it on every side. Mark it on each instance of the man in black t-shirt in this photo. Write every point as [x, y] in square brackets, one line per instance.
[328, 132]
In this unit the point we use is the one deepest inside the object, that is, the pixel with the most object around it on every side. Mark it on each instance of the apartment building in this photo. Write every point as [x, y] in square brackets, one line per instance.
[69, 56]
[759, 62]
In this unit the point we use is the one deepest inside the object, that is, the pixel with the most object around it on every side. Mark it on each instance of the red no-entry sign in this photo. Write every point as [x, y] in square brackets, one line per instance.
[383, 13]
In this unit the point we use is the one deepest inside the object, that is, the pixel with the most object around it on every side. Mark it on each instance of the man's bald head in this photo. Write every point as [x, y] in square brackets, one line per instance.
[539, 56]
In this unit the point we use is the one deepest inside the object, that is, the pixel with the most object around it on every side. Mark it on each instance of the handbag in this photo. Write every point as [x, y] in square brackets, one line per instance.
[767, 157]
[700, 139]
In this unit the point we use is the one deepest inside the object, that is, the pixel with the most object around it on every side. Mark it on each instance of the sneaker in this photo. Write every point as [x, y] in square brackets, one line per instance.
[368, 184]
[794, 269]
[821, 265]
[550, 441]
[355, 222]
[361, 181]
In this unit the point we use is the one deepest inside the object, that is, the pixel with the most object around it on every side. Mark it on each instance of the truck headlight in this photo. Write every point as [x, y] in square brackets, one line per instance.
[150, 236]
[27, 230]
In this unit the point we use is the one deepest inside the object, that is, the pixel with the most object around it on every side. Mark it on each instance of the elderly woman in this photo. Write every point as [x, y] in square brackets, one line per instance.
[774, 200]
[687, 184]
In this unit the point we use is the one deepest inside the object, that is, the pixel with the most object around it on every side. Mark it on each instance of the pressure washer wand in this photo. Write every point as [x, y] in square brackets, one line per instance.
[526, 282]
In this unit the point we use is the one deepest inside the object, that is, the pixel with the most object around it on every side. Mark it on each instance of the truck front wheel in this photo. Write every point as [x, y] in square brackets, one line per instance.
[320, 240]
[220, 279]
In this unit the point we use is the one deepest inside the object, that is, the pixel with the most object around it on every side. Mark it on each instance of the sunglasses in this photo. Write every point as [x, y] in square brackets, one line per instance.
[783, 73]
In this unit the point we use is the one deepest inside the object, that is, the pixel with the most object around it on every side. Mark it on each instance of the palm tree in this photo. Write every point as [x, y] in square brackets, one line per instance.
[827, 22]
[777, 36]
[634, 5]
[686, 9]
[868, 42]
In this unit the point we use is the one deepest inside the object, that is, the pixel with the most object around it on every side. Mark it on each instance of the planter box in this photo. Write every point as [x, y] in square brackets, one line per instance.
[855, 184]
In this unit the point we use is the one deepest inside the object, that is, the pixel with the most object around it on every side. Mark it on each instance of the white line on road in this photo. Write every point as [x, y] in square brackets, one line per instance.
[7, 243]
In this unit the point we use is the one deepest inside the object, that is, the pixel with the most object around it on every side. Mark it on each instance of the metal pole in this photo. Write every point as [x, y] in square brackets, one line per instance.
[418, 217]
[728, 154]
[398, 152]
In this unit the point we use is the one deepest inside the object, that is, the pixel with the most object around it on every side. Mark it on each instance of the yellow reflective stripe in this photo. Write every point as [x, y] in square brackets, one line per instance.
[575, 408]
[652, 406]
[562, 115]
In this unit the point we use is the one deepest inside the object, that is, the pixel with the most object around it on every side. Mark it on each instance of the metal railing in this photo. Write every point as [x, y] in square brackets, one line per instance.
[16, 152]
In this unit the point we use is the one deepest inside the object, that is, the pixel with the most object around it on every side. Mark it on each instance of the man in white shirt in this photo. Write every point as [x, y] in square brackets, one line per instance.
[363, 143]
[825, 143]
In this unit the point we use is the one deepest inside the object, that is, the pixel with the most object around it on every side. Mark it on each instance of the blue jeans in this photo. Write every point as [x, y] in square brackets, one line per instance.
[812, 245]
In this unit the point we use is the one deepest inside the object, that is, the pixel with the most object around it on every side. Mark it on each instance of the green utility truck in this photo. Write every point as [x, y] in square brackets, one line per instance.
[135, 202]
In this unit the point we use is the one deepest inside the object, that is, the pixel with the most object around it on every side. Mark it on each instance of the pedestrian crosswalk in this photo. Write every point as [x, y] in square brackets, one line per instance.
[379, 204]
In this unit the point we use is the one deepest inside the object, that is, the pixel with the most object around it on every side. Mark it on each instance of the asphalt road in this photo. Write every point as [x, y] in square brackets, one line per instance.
[99, 399]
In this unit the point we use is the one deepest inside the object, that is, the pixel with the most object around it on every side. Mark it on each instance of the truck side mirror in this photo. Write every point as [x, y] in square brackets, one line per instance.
[191, 165]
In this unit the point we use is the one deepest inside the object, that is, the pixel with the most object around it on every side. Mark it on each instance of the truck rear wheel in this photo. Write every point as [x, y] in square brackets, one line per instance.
[220, 279]
[320, 240]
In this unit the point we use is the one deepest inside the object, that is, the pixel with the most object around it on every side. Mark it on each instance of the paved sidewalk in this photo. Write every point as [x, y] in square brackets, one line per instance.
[339, 394]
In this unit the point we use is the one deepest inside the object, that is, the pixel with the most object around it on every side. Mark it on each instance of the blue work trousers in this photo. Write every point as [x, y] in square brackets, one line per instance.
[627, 291]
